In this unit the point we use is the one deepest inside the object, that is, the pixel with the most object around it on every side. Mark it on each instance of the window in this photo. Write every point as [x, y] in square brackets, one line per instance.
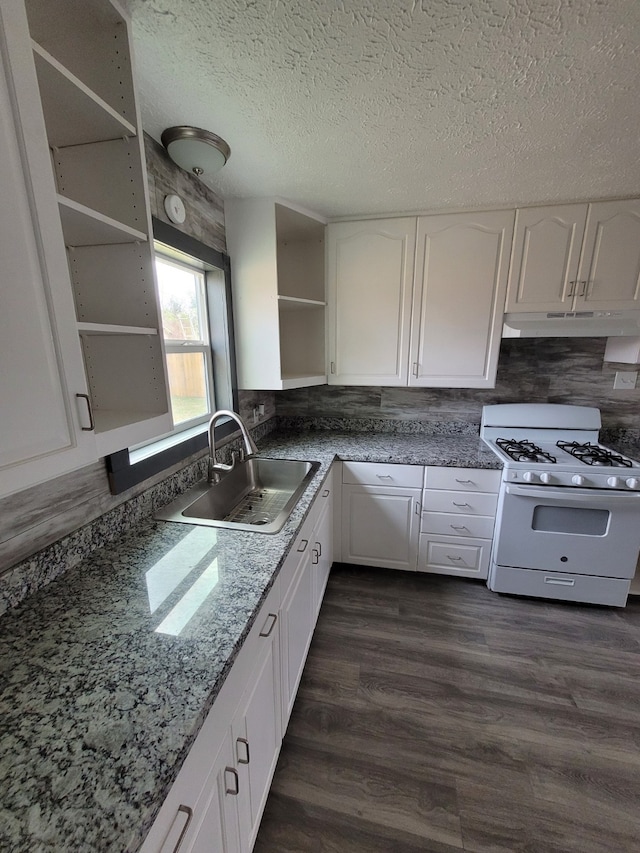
[195, 300]
[186, 337]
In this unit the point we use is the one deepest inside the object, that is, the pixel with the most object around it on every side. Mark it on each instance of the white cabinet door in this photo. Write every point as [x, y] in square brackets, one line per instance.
[41, 425]
[370, 272]
[322, 550]
[296, 628]
[219, 829]
[256, 734]
[458, 301]
[543, 275]
[609, 274]
[380, 526]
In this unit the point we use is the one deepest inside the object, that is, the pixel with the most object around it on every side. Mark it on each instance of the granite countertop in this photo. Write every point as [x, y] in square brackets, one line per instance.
[107, 674]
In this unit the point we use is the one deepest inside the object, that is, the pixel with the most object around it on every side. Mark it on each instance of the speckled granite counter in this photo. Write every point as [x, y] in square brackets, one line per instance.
[107, 674]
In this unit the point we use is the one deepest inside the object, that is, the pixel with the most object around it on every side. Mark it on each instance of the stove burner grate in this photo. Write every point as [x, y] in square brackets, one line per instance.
[523, 451]
[593, 454]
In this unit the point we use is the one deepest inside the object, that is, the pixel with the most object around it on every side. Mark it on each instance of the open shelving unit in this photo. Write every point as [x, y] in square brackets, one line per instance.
[82, 56]
[277, 254]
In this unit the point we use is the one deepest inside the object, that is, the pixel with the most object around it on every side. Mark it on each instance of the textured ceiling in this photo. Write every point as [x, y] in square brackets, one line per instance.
[379, 106]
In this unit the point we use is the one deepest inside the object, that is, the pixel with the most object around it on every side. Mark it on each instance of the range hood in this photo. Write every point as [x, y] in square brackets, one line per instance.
[571, 324]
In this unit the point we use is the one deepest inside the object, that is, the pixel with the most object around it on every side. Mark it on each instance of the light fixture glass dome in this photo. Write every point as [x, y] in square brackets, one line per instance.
[195, 150]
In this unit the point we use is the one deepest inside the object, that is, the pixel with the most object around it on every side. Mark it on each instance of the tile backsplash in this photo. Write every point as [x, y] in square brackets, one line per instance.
[530, 370]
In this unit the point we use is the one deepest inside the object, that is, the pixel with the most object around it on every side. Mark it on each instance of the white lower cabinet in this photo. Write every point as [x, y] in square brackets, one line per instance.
[297, 623]
[304, 577]
[322, 552]
[257, 735]
[216, 802]
[380, 514]
[458, 516]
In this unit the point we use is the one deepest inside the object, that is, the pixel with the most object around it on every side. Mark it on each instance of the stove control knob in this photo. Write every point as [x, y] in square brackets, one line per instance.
[578, 480]
[633, 483]
[546, 478]
[615, 482]
[529, 477]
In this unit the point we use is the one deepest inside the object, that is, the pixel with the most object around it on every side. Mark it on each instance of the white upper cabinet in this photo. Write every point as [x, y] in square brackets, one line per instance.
[370, 279]
[609, 274]
[277, 273]
[458, 299]
[545, 257]
[42, 420]
[75, 100]
[576, 257]
[418, 311]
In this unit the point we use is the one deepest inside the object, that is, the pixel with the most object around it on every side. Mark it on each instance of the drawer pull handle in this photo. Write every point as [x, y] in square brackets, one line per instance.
[236, 789]
[178, 828]
[319, 548]
[245, 743]
[384, 476]
[326, 493]
[455, 504]
[465, 482]
[92, 424]
[560, 581]
[458, 527]
[303, 546]
[314, 554]
[274, 619]
[455, 559]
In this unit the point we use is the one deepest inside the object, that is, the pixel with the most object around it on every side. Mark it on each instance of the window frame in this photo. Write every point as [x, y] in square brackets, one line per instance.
[123, 474]
[165, 254]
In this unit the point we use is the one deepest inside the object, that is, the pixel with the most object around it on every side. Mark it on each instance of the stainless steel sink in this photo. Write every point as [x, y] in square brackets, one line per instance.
[258, 494]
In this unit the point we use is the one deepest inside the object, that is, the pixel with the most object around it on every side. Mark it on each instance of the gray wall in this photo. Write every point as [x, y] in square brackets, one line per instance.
[548, 370]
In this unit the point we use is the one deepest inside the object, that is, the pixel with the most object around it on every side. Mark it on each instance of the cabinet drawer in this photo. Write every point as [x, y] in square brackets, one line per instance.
[462, 479]
[567, 587]
[478, 503]
[452, 524]
[382, 474]
[451, 555]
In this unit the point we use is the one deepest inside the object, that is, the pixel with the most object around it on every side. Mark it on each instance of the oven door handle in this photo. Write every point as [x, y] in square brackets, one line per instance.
[573, 497]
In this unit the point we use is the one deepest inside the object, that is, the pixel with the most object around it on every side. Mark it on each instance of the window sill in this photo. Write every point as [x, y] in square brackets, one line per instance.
[127, 468]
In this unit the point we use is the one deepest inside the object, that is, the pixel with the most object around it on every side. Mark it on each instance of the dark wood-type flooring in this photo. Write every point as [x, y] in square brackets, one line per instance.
[434, 715]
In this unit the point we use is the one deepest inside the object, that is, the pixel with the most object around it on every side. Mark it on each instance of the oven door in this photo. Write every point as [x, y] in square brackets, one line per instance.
[584, 531]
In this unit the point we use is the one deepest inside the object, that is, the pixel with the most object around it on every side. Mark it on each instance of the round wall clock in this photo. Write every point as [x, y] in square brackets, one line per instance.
[174, 208]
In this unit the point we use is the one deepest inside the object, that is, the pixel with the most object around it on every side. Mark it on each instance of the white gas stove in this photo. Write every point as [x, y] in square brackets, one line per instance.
[555, 445]
[568, 516]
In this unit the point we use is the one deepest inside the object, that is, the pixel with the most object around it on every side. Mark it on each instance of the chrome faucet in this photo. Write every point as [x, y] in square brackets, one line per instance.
[218, 469]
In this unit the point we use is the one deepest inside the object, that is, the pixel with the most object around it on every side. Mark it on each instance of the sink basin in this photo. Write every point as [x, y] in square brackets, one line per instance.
[258, 495]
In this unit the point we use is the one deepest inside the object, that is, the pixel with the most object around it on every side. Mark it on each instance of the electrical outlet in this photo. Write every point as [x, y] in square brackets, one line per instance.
[625, 380]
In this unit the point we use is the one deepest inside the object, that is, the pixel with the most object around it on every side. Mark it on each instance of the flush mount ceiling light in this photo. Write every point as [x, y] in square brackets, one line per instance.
[195, 150]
